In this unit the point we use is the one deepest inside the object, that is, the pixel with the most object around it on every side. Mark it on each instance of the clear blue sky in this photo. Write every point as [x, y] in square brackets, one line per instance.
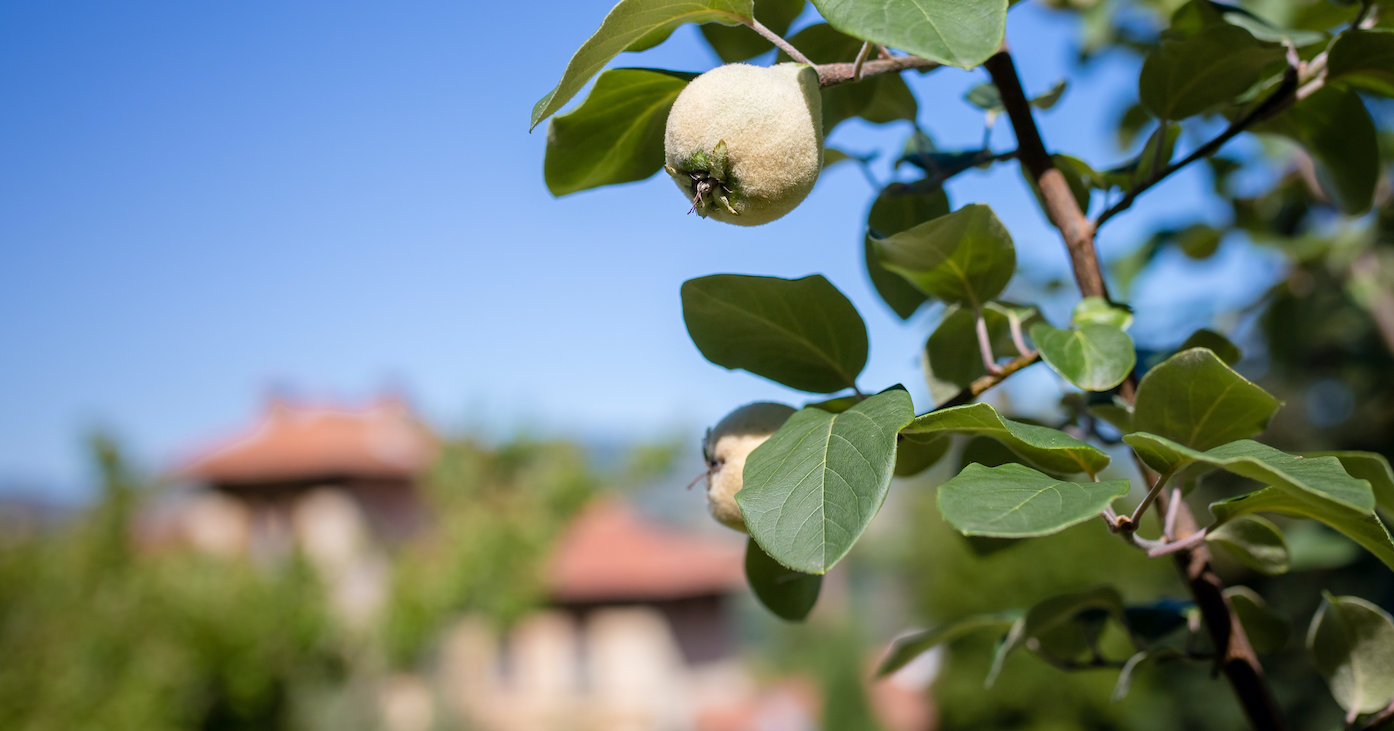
[202, 202]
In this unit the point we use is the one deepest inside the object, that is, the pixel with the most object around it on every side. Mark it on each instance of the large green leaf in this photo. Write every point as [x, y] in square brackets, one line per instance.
[1094, 356]
[951, 358]
[616, 135]
[1015, 501]
[1186, 76]
[910, 646]
[955, 32]
[965, 257]
[812, 488]
[1352, 645]
[1362, 527]
[1369, 466]
[918, 452]
[1336, 130]
[1321, 478]
[1049, 449]
[627, 23]
[788, 594]
[898, 207]
[739, 43]
[1255, 542]
[1195, 399]
[879, 99]
[1363, 59]
[802, 333]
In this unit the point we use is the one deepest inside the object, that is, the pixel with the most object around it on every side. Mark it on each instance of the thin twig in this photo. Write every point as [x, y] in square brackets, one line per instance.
[861, 59]
[779, 42]
[1014, 324]
[985, 383]
[1276, 102]
[832, 74]
[1147, 500]
[1178, 545]
[1169, 525]
[1379, 720]
[985, 344]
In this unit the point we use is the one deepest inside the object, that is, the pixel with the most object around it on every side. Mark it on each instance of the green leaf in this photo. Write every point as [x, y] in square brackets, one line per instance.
[1015, 501]
[1352, 646]
[1371, 467]
[1268, 631]
[951, 358]
[1061, 625]
[985, 97]
[1095, 357]
[879, 99]
[1255, 542]
[1099, 311]
[1049, 449]
[1155, 155]
[1068, 625]
[898, 207]
[627, 23]
[1363, 59]
[1319, 478]
[616, 135]
[959, 33]
[1008, 642]
[739, 43]
[802, 333]
[1362, 527]
[1134, 663]
[1216, 343]
[908, 647]
[1195, 399]
[919, 452]
[1186, 76]
[965, 257]
[1336, 130]
[789, 595]
[1052, 95]
[1313, 546]
[812, 488]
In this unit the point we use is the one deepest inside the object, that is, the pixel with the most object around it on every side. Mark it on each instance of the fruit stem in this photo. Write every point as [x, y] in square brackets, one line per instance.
[782, 44]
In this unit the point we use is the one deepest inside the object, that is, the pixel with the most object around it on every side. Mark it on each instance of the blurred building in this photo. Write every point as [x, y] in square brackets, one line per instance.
[639, 635]
[310, 472]
[638, 631]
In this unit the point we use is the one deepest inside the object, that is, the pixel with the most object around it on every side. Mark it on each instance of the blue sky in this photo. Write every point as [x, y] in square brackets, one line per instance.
[201, 203]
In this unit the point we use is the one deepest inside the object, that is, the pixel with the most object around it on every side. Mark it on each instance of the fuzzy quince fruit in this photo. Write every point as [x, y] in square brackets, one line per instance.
[726, 447]
[745, 143]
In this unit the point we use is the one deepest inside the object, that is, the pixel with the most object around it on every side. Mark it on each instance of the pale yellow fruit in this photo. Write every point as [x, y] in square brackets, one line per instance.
[726, 447]
[745, 143]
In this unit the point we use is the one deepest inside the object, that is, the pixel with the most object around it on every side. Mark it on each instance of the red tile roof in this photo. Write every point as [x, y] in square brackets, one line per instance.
[610, 554]
[293, 442]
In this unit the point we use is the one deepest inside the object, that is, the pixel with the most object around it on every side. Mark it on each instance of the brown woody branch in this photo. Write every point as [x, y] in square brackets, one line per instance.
[832, 74]
[1237, 658]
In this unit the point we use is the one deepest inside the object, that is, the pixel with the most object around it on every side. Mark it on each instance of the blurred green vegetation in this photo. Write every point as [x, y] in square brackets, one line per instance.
[97, 632]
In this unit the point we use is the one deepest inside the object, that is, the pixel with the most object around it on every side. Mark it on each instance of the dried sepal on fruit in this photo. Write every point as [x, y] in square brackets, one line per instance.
[745, 143]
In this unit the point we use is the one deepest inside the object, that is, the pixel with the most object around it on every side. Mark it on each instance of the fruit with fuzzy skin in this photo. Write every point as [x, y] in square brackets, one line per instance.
[726, 447]
[745, 143]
